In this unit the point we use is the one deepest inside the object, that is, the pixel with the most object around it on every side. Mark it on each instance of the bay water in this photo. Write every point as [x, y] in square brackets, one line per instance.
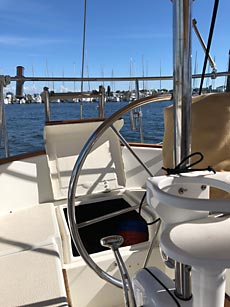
[25, 122]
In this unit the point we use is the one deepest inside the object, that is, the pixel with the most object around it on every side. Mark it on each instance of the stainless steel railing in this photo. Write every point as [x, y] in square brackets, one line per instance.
[4, 81]
[20, 79]
[47, 96]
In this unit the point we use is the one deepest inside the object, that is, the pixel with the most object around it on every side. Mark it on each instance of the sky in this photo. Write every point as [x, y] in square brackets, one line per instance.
[45, 36]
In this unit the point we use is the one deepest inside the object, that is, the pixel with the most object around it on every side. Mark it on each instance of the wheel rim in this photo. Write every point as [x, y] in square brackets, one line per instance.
[75, 176]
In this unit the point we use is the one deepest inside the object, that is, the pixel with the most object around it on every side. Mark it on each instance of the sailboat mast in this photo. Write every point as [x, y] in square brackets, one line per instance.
[182, 78]
[182, 90]
[83, 56]
[143, 71]
[160, 76]
[47, 70]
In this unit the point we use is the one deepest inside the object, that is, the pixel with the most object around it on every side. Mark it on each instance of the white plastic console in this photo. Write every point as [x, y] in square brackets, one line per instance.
[203, 243]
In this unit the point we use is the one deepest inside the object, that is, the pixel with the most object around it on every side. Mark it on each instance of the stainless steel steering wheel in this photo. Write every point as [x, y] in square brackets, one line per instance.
[75, 176]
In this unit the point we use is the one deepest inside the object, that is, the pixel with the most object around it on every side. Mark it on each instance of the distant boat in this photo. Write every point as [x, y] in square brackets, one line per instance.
[6, 100]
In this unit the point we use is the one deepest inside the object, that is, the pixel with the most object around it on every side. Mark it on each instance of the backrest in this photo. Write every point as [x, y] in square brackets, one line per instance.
[210, 131]
[102, 170]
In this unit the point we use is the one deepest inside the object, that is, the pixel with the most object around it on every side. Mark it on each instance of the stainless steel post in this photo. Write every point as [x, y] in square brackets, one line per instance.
[138, 113]
[46, 98]
[1, 109]
[19, 83]
[4, 81]
[182, 88]
[6, 144]
[182, 92]
[183, 281]
[101, 110]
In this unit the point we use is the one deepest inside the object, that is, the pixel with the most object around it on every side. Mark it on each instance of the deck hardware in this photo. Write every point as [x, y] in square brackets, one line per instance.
[169, 262]
[106, 185]
[182, 190]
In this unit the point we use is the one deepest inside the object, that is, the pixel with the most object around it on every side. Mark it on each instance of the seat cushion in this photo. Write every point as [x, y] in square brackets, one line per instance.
[32, 278]
[28, 228]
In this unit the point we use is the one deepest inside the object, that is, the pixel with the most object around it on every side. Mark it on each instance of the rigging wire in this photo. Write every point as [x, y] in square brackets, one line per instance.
[214, 13]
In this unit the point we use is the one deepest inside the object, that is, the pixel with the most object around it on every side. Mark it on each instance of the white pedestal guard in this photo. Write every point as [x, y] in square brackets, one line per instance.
[150, 293]
[175, 197]
[174, 213]
[203, 243]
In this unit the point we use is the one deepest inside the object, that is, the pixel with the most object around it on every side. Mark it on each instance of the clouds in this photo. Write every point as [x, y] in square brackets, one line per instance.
[23, 41]
[13, 6]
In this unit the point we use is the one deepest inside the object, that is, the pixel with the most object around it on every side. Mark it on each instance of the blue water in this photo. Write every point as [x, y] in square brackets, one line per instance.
[25, 122]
